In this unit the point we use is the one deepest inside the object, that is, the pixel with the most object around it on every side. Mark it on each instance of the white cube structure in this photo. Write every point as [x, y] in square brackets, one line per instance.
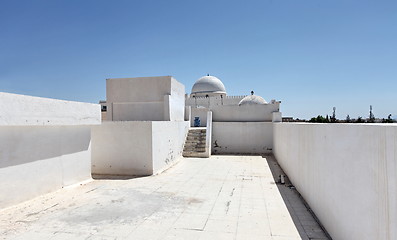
[145, 128]
[145, 99]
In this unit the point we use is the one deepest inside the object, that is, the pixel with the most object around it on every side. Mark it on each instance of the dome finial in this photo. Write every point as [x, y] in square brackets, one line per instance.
[252, 92]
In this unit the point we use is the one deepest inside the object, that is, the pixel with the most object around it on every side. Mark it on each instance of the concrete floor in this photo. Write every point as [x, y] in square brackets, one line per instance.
[223, 197]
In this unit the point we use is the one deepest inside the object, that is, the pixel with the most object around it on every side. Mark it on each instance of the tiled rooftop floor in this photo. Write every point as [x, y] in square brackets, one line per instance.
[223, 197]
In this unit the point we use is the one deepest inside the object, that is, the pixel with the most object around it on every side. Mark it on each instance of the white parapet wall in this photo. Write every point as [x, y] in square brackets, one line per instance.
[201, 113]
[168, 138]
[346, 172]
[242, 137]
[21, 110]
[45, 144]
[122, 148]
[136, 148]
[245, 113]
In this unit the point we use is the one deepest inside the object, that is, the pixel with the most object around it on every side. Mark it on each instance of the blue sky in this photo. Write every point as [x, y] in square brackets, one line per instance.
[311, 55]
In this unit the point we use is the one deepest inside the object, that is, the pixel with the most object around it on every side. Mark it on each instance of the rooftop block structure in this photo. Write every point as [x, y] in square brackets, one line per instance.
[144, 131]
[145, 99]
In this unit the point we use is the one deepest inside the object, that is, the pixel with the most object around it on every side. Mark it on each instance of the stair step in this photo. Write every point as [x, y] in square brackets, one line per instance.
[197, 130]
[193, 154]
[194, 149]
[196, 135]
[195, 146]
[195, 141]
[196, 138]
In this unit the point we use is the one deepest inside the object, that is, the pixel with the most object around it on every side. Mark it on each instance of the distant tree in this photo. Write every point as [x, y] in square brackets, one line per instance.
[359, 120]
[388, 120]
[371, 115]
[318, 119]
[333, 118]
[348, 120]
[327, 119]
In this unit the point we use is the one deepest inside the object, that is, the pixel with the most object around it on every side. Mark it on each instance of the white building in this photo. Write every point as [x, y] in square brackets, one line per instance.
[240, 124]
[209, 94]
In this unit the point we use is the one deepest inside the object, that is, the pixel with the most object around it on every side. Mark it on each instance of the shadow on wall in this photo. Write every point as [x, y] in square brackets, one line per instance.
[26, 144]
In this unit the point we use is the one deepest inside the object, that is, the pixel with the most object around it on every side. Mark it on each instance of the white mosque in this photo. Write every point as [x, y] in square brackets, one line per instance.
[209, 94]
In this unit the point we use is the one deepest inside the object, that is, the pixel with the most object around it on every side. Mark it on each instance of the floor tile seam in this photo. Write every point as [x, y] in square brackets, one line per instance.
[185, 182]
[213, 206]
[195, 194]
[267, 212]
[239, 209]
[191, 178]
[201, 187]
[172, 226]
[144, 220]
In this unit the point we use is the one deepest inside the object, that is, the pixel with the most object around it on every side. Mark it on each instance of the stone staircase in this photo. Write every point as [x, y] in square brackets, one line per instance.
[195, 143]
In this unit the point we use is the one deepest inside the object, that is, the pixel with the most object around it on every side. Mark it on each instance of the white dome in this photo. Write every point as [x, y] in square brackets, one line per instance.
[208, 85]
[252, 100]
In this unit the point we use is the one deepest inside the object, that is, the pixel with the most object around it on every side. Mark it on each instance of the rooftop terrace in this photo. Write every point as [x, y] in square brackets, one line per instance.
[222, 197]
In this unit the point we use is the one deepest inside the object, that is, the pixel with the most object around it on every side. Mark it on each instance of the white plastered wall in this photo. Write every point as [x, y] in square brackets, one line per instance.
[177, 101]
[136, 148]
[45, 145]
[140, 89]
[145, 99]
[245, 113]
[212, 101]
[201, 113]
[242, 137]
[346, 172]
[138, 111]
[21, 110]
[122, 148]
[36, 160]
[167, 143]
